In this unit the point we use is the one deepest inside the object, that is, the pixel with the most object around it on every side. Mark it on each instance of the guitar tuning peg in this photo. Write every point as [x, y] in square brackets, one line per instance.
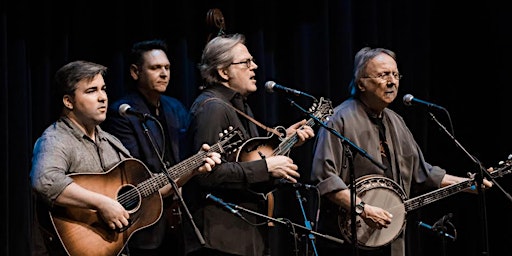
[509, 157]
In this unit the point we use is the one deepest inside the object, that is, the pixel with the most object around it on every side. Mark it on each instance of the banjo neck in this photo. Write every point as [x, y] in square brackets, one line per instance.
[430, 197]
[438, 194]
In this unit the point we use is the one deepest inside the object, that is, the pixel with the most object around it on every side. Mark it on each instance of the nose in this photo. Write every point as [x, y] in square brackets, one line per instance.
[164, 72]
[103, 96]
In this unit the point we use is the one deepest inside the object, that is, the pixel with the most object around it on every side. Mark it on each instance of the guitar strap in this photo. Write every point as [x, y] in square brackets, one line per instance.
[266, 128]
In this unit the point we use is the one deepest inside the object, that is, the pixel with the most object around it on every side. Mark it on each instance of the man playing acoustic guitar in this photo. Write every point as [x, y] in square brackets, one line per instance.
[96, 211]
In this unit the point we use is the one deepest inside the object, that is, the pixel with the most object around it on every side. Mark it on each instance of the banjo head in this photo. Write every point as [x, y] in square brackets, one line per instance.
[381, 192]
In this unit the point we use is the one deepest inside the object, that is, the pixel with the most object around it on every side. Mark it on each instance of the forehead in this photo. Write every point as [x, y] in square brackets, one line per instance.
[240, 51]
[155, 57]
[85, 83]
[382, 61]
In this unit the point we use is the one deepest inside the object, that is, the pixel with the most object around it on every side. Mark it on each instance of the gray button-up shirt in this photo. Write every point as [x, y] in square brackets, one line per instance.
[63, 149]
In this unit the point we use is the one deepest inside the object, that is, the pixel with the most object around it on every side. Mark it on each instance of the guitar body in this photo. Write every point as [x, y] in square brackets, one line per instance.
[386, 194]
[275, 145]
[83, 232]
[258, 148]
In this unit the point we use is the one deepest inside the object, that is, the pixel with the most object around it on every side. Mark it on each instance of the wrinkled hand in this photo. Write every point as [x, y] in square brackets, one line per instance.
[212, 159]
[304, 132]
[376, 217]
[486, 184]
[282, 167]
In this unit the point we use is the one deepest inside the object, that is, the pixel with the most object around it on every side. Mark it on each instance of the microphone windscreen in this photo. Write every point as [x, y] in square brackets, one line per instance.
[123, 108]
[407, 99]
[270, 86]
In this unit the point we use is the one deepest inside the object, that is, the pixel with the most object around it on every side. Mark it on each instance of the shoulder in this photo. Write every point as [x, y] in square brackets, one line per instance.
[349, 107]
[169, 101]
[130, 99]
[393, 116]
[113, 139]
[208, 101]
[53, 134]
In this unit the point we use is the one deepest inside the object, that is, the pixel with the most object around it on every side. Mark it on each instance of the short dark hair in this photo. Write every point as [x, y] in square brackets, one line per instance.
[67, 77]
[139, 48]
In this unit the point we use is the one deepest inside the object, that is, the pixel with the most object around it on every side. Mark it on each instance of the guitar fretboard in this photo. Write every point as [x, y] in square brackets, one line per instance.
[286, 145]
[150, 186]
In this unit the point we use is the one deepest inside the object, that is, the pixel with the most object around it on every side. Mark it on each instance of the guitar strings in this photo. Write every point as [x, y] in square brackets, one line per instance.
[151, 185]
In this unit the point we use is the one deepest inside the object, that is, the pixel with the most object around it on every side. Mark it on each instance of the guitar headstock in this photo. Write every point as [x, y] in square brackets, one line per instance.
[322, 109]
[230, 140]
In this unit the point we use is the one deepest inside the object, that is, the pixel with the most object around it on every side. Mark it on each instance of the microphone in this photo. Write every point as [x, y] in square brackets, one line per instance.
[427, 226]
[284, 181]
[271, 86]
[126, 110]
[224, 204]
[440, 224]
[409, 99]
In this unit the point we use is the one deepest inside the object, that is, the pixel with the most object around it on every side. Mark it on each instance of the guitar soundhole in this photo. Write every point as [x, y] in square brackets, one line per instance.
[129, 197]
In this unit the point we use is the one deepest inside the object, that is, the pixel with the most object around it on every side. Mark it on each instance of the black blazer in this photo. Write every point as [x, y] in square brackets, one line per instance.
[131, 132]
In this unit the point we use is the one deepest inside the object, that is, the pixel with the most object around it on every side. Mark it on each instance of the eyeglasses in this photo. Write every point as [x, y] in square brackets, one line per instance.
[386, 76]
[247, 62]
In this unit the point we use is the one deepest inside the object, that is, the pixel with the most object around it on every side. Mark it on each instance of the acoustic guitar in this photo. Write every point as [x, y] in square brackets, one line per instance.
[387, 194]
[83, 232]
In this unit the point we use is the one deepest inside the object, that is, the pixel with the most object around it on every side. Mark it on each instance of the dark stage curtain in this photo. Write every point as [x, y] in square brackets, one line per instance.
[457, 56]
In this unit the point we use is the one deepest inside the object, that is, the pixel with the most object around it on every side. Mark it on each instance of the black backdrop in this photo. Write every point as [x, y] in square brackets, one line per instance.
[456, 56]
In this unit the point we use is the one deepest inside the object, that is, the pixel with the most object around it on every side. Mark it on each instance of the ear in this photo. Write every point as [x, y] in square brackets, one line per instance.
[223, 73]
[361, 86]
[134, 72]
[68, 102]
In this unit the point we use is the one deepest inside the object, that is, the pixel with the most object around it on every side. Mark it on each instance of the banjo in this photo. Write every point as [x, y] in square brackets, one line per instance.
[385, 193]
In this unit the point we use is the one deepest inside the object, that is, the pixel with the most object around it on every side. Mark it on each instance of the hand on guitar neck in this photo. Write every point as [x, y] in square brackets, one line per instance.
[283, 167]
[275, 150]
[303, 132]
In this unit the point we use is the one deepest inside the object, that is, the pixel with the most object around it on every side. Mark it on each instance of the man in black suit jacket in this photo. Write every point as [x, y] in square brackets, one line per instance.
[150, 71]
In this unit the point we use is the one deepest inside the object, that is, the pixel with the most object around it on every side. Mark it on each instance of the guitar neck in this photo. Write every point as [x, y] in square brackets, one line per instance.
[286, 145]
[150, 186]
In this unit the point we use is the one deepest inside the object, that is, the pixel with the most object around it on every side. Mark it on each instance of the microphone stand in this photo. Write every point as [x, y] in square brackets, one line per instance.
[307, 223]
[281, 221]
[479, 181]
[171, 181]
[348, 145]
[441, 230]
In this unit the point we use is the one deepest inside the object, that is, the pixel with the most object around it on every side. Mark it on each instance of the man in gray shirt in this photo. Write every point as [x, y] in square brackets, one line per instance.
[88, 210]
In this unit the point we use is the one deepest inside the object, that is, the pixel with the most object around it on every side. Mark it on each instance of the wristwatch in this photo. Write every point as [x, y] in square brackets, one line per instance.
[360, 207]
